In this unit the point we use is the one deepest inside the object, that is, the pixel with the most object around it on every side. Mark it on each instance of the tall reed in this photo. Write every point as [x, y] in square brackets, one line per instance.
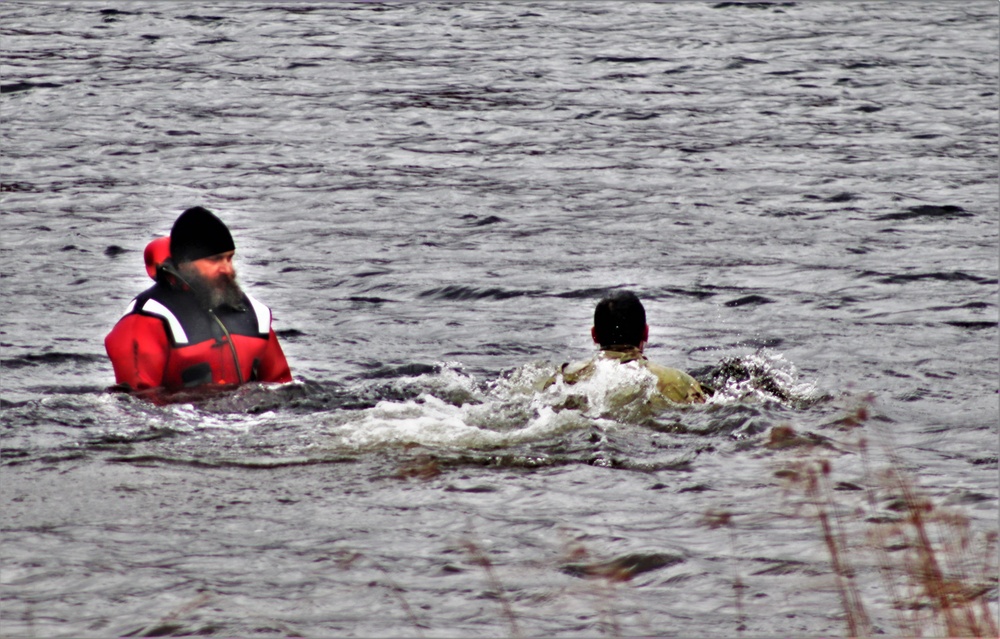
[926, 555]
[480, 558]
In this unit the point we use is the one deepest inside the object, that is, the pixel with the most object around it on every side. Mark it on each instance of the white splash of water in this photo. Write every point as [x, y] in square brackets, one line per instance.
[613, 390]
[516, 408]
[429, 421]
[451, 383]
[192, 418]
[761, 377]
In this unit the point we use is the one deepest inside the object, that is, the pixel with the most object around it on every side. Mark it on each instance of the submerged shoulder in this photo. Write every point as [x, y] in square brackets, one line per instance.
[575, 371]
[570, 373]
[677, 385]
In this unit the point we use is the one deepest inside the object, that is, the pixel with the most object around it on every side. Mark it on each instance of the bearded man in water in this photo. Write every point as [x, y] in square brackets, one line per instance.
[195, 327]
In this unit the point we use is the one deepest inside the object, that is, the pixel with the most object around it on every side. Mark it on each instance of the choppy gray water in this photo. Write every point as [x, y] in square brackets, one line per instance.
[432, 197]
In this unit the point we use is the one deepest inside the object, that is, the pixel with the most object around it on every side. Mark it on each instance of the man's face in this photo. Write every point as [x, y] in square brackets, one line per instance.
[213, 280]
[215, 268]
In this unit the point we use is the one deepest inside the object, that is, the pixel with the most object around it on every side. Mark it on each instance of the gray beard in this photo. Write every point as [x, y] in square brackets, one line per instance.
[211, 295]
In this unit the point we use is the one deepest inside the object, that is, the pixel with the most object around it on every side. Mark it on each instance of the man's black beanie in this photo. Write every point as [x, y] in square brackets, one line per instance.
[197, 233]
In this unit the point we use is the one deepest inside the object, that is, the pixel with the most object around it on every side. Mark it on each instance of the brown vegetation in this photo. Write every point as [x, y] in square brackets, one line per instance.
[938, 575]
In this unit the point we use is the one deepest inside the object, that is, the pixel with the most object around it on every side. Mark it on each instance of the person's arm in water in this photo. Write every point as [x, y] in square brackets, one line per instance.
[138, 348]
[273, 365]
[676, 385]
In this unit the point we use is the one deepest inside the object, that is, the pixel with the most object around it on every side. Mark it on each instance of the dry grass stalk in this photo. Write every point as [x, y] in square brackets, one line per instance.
[346, 559]
[722, 519]
[398, 591]
[879, 540]
[421, 467]
[928, 550]
[940, 547]
[479, 557]
[168, 623]
[938, 543]
[608, 575]
[818, 490]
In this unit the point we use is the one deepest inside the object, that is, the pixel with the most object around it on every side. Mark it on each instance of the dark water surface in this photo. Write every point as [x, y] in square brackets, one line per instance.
[432, 197]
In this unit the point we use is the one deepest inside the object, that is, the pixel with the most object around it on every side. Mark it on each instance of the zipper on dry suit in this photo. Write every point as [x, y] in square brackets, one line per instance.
[170, 270]
[232, 347]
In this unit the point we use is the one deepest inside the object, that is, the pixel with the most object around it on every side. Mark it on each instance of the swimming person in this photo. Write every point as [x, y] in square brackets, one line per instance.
[195, 326]
[621, 332]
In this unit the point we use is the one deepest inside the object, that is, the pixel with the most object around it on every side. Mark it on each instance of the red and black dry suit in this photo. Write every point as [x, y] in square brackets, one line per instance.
[167, 340]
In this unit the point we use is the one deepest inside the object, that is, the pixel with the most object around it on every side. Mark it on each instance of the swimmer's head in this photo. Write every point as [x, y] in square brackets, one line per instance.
[620, 320]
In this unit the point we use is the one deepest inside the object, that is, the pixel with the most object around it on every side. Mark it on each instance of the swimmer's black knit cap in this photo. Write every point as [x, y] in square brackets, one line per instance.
[197, 233]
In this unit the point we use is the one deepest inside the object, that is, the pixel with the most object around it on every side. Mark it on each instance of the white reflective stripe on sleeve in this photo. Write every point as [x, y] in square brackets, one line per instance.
[130, 307]
[263, 315]
[155, 308]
